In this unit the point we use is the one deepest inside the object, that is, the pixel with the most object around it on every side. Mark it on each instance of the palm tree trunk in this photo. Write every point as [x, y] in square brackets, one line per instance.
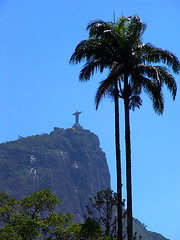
[128, 164]
[118, 165]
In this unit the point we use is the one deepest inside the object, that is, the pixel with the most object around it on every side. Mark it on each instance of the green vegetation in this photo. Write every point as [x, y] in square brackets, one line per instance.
[37, 217]
[70, 162]
[133, 68]
[60, 139]
[90, 229]
[34, 218]
[103, 209]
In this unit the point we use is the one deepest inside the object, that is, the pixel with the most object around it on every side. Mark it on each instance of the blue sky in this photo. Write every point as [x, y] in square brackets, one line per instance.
[40, 90]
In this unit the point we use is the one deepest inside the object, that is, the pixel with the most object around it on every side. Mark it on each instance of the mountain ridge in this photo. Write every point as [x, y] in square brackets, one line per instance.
[69, 162]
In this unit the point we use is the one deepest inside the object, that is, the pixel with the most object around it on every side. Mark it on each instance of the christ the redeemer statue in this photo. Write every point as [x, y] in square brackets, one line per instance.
[77, 117]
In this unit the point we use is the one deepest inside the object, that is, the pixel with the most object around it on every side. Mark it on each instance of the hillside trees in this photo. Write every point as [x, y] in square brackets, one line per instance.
[34, 217]
[37, 217]
[103, 208]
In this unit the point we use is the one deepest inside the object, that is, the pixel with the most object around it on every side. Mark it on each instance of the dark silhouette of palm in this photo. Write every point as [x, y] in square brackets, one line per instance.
[132, 69]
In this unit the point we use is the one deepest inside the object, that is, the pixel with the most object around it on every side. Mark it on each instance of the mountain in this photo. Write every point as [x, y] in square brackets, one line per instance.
[69, 162]
[146, 235]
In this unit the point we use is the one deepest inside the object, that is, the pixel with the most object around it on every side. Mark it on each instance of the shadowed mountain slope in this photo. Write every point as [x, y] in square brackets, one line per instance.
[68, 162]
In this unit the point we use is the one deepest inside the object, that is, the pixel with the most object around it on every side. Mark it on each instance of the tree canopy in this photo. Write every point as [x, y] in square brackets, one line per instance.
[34, 217]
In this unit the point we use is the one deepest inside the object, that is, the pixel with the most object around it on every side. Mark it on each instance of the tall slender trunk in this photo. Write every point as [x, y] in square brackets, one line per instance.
[128, 163]
[118, 166]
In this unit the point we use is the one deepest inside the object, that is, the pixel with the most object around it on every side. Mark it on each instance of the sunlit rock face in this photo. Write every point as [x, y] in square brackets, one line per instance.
[69, 162]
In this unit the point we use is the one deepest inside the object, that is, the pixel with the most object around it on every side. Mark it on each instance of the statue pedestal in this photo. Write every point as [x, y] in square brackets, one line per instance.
[77, 126]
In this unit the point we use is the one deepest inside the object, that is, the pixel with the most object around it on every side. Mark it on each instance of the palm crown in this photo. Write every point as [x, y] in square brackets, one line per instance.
[118, 47]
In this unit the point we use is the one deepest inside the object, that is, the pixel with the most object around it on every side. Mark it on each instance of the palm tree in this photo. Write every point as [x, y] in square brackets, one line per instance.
[132, 69]
[138, 71]
[99, 55]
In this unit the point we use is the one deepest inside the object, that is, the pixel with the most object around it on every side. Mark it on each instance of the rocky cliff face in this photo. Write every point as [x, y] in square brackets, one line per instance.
[69, 162]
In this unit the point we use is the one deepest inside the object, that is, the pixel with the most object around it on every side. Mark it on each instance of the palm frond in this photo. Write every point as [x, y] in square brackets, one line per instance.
[135, 84]
[120, 26]
[135, 102]
[154, 91]
[96, 48]
[105, 88]
[112, 34]
[152, 72]
[102, 92]
[97, 27]
[92, 66]
[154, 55]
[160, 75]
[167, 79]
[84, 50]
[135, 31]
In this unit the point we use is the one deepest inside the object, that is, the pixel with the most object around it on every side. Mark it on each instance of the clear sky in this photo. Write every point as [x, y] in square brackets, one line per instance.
[39, 90]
